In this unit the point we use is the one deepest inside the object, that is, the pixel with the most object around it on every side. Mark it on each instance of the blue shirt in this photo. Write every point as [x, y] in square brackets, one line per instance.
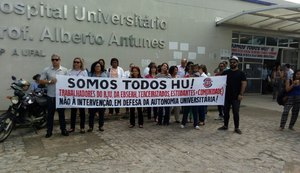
[295, 91]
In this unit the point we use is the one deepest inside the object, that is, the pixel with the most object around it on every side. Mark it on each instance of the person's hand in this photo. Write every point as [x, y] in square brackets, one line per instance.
[240, 97]
[53, 80]
[296, 82]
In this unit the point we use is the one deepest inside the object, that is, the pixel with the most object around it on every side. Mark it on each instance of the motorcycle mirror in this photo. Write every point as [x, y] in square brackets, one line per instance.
[13, 78]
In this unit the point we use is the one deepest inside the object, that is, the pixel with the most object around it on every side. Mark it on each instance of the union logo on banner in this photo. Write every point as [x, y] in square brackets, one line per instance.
[207, 82]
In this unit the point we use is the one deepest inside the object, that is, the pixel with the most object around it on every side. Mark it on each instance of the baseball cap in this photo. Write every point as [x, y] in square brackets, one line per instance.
[234, 58]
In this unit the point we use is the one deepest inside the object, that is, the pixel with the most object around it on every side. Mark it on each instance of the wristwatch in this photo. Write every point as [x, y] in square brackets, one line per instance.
[49, 81]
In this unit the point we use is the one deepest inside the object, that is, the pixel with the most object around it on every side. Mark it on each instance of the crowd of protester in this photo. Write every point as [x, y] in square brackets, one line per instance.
[235, 88]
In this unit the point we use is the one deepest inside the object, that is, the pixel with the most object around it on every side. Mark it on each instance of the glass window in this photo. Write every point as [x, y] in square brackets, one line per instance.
[245, 39]
[294, 43]
[235, 38]
[259, 40]
[252, 70]
[271, 41]
[283, 42]
[253, 86]
[290, 56]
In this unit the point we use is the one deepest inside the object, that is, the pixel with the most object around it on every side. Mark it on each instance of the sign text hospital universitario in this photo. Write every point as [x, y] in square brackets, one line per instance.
[80, 14]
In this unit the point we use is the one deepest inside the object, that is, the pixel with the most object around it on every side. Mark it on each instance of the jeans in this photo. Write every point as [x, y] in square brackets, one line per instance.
[73, 117]
[92, 117]
[294, 104]
[235, 109]
[186, 111]
[155, 111]
[51, 112]
[140, 116]
[202, 112]
[111, 110]
[163, 116]
[221, 111]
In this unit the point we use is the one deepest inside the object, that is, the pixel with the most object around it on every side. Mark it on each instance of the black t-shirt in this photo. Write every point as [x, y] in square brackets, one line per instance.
[234, 83]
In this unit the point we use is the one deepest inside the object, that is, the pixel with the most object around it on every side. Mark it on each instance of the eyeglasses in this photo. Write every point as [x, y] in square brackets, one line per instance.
[54, 59]
[77, 62]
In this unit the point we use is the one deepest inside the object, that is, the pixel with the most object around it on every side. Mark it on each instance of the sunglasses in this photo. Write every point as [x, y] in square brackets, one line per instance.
[54, 59]
[77, 62]
[233, 62]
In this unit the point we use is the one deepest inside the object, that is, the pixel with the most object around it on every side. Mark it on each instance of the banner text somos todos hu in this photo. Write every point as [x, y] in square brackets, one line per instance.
[91, 92]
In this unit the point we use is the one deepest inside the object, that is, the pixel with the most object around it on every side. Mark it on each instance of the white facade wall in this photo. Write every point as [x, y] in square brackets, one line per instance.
[188, 22]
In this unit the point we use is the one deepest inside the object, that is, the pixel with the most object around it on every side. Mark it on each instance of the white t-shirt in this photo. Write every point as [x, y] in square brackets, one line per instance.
[181, 71]
[146, 71]
[290, 74]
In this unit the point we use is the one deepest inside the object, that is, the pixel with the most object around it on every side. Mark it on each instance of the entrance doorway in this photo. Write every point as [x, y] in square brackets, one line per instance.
[269, 51]
[253, 71]
[253, 68]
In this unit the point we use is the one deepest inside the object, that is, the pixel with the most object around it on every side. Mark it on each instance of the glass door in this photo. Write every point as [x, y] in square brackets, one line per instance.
[253, 71]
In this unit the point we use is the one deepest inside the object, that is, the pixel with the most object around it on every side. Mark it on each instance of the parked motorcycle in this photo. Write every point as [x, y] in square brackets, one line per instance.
[28, 108]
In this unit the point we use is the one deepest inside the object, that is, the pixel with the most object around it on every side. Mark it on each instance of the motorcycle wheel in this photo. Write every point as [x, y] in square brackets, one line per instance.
[43, 122]
[6, 128]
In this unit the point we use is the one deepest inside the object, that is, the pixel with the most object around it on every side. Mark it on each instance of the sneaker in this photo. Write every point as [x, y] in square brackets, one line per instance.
[292, 128]
[182, 126]
[238, 131]
[197, 127]
[219, 118]
[223, 128]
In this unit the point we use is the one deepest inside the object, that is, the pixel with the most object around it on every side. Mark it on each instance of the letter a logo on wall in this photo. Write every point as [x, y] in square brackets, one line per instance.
[207, 82]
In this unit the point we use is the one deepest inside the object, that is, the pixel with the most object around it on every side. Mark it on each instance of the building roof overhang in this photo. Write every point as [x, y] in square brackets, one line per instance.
[280, 18]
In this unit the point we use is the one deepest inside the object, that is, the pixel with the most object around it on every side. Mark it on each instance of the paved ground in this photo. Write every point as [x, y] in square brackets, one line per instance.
[261, 147]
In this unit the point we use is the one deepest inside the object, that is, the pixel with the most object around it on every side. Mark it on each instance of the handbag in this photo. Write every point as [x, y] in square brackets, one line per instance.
[282, 97]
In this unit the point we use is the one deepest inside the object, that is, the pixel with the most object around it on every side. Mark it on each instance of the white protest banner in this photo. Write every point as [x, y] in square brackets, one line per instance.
[91, 92]
[252, 51]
